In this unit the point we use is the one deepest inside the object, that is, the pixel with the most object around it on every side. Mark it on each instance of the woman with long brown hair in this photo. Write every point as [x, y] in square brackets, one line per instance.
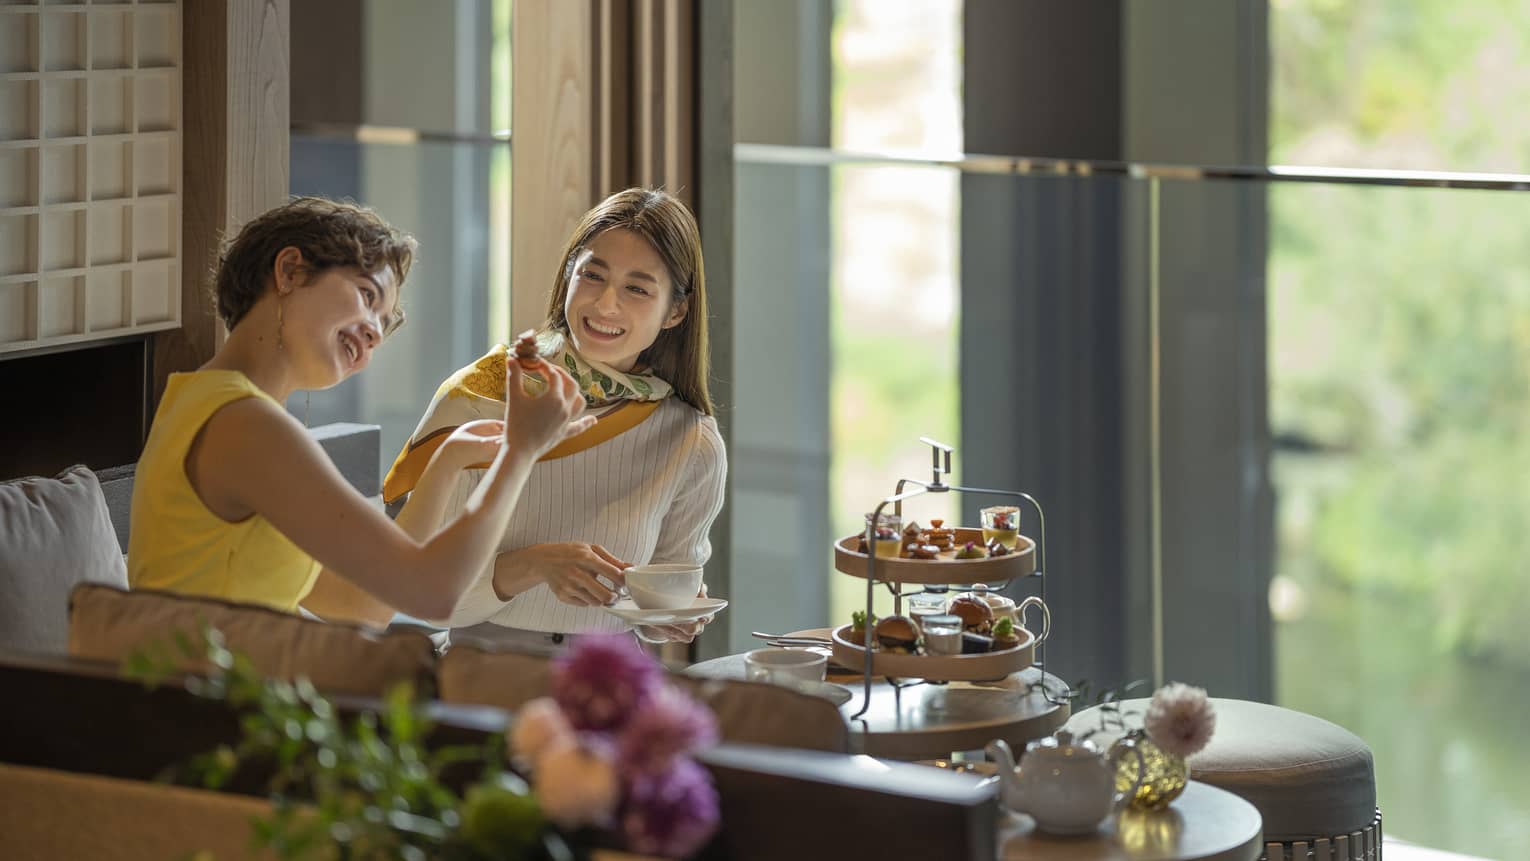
[627, 318]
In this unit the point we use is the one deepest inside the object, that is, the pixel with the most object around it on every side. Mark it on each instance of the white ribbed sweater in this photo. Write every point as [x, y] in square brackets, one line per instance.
[647, 495]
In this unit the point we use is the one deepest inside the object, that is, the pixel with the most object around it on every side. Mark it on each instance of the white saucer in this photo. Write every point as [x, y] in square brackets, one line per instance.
[626, 610]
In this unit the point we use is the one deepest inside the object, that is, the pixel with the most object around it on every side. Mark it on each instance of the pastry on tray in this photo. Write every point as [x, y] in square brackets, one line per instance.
[898, 634]
[976, 615]
[1004, 635]
[971, 550]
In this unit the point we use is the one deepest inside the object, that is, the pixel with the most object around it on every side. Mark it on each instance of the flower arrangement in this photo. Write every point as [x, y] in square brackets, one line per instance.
[1180, 719]
[608, 753]
[611, 748]
[1178, 724]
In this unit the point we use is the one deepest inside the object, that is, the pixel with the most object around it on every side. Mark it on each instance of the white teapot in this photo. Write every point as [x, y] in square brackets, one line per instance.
[1068, 787]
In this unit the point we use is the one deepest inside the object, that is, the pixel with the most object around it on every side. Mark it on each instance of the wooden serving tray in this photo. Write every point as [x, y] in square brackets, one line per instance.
[944, 569]
[946, 668]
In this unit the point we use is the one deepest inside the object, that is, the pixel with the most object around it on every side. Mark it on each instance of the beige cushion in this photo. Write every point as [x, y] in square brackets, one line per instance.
[58, 814]
[505, 679]
[747, 712]
[760, 713]
[1309, 778]
[110, 624]
[54, 534]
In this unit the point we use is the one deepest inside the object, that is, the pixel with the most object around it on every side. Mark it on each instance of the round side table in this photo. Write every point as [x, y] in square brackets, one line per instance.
[1203, 824]
[932, 721]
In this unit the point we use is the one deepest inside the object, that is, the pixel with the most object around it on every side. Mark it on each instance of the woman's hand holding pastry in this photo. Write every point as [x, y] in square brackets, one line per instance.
[570, 570]
[536, 423]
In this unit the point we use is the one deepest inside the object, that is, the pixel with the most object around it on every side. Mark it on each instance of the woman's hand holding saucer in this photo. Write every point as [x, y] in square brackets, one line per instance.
[683, 632]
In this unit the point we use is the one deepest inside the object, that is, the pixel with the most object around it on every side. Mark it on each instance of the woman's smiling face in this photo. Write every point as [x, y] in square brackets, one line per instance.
[619, 299]
[334, 319]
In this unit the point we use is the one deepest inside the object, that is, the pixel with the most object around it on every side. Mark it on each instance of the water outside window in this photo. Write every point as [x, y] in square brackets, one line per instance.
[1401, 585]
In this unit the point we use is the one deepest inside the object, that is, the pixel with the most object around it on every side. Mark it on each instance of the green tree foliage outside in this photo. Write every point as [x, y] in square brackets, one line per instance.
[1400, 369]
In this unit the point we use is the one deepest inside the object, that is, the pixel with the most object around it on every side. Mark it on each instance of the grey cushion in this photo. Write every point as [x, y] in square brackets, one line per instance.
[1309, 778]
[54, 534]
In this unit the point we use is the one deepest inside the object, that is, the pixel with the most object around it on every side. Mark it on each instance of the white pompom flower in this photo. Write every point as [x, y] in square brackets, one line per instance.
[1180, 719]
[577, 785]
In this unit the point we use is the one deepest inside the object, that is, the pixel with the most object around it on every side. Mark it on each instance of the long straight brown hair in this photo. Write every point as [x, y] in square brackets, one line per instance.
[680, 355]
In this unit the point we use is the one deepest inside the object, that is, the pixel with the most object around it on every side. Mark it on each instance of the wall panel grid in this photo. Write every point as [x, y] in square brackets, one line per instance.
[90, 169]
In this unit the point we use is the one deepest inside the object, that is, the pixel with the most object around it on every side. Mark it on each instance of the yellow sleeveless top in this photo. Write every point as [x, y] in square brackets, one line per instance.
[175, 542]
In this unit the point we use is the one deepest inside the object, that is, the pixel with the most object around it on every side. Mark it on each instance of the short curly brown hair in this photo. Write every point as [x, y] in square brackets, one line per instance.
[329, 233]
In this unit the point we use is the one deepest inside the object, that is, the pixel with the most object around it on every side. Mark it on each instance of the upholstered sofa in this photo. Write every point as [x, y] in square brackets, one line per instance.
[80, 738]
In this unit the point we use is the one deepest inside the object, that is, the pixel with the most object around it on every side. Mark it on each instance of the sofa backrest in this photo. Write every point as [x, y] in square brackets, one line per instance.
[747, 712]
[61, 814]
[110, 624]
[852, 806]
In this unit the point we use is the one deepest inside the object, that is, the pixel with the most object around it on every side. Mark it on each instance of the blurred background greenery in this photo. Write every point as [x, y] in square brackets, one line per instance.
[1398, 394]
[1399, 369]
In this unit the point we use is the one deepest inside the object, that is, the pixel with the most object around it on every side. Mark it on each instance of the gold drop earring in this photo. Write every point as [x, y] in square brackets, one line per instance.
[280, 304]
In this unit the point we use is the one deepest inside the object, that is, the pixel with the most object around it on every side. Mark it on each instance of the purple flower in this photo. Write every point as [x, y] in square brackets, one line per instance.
[603, 680]
[672, 813]
[670, 725]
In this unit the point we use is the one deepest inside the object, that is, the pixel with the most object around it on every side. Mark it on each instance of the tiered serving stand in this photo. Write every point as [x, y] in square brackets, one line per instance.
[906, 577]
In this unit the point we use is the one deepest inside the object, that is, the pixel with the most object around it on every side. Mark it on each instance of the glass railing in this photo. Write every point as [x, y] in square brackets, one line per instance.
[453, 196]
[1276, 417]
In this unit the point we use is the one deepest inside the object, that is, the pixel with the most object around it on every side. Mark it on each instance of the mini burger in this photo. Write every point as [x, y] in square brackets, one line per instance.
[898, 634]
[977, 616]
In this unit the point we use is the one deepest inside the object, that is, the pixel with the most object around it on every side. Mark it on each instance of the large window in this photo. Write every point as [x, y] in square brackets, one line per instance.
[845, 288]
[894, 282]
[1401, 588]
[1343, 369]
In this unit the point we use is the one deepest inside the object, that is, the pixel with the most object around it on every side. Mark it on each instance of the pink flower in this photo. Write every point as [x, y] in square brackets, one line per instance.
[603, 680]
[576, 784]
[671, 725]
[672, 813]
[539, 727]
[1180, 719]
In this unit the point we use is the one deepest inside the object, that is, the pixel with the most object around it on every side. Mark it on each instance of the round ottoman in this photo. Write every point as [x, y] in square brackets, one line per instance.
[1312, 781]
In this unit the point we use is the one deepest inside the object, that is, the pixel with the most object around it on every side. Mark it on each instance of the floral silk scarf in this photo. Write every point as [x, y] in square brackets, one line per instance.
[621, 400]
[600, 384]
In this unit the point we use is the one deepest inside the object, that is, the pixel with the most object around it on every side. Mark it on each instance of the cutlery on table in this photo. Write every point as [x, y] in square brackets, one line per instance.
[803, 638]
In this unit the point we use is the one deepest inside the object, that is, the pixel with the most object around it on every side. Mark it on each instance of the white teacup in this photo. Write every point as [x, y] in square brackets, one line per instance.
[663, 586]
[784, 666]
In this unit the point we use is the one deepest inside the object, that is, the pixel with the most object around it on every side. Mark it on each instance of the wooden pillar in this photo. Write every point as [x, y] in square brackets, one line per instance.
[552, 126]
[604, 98]
[235, 110]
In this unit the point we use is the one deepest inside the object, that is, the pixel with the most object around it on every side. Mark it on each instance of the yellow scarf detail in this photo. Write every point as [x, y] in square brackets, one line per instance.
[477, 391]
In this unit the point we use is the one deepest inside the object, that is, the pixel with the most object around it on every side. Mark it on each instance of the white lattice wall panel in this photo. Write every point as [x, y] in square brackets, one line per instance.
[90, 169]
